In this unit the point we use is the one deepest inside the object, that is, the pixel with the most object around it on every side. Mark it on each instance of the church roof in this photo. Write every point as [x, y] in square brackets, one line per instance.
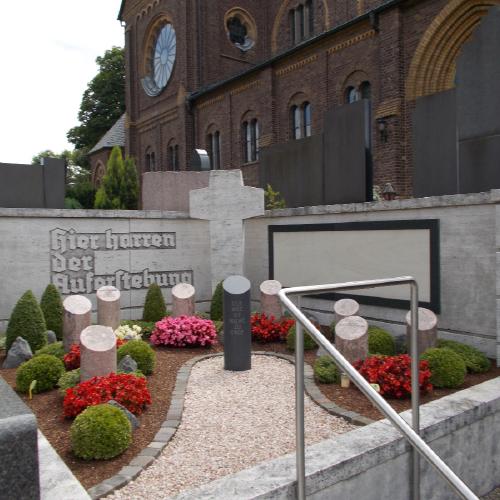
[115, 136]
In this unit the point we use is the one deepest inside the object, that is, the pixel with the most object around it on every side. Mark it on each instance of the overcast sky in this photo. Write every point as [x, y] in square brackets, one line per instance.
[47, 52]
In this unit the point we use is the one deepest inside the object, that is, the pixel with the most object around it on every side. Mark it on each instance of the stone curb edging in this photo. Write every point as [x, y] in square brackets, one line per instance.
[169, 427]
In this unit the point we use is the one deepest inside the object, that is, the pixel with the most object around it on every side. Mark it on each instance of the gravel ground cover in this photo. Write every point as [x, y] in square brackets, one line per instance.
[231, 421]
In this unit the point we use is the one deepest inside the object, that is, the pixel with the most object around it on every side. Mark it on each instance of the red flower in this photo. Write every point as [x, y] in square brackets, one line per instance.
[266, 329]
[393, 374]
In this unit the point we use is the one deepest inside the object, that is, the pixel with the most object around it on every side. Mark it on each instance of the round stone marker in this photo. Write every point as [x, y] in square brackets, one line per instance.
[97, 352]
[427, 330]
[237, 334]
[108, 306]
[351, 338]
[344, 308]
[270, 303]
[183, 300]
[76, 317]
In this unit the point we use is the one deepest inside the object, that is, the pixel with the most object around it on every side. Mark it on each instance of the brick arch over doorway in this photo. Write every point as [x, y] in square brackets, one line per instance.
[433, 66]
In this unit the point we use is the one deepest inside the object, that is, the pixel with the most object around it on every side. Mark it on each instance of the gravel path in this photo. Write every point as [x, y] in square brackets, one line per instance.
[231, 421]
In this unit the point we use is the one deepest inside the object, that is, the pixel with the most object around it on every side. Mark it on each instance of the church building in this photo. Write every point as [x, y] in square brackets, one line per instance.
[236, 78]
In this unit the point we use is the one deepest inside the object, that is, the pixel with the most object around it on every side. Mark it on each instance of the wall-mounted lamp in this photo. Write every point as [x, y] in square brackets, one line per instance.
[382, 129]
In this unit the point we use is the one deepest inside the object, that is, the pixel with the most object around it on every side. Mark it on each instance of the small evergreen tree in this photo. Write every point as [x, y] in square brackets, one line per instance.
[108, 195]
[216, 313]
[130, 185]
[154, 306]
[27, 321]
[52, 309]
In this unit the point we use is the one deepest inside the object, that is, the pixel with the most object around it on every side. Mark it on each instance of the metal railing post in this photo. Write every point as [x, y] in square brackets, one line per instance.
[299, 409]
[415, 387]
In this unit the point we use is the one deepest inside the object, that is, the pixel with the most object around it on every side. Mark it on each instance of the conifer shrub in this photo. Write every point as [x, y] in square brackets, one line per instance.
[154, 306]
[52, 308]
[141, 353]
[45, 369]
[56, 349]
[380, 341]
[309, 343]
[326, 371]
[27, 321]
[447, 367]
[100, 432]
[216, 313]
[67, 380]
[475, 361]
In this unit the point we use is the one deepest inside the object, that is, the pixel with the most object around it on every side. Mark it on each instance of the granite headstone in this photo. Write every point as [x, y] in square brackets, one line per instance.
[237, 334]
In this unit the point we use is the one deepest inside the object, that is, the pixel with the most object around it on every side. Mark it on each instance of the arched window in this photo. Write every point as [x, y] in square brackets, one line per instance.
[301, 121]
[365, 90]
[301, 22]
[213, 150]
[173, 158]
[351, 95]
[150, 160]
[306, 113]
[250, 135]
[291, 21]
[296, 122]
[309, 18]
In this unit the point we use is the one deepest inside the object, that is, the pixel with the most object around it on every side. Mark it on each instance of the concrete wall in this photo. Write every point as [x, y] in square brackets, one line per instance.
[81, 250]
[374, 461]
[467, 263]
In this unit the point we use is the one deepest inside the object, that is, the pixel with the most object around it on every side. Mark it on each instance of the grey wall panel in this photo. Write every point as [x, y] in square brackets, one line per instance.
[480, 164]
[295, 169]
[478, 74]
[54, 182]
[435, 145]
[345, 153]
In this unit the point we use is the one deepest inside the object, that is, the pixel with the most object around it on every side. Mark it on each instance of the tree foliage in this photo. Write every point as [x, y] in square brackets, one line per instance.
[120, 187]
[103, 101]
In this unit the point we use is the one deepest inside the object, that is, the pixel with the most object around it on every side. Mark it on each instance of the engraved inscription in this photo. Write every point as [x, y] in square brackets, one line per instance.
[237, 319]
[73, 261]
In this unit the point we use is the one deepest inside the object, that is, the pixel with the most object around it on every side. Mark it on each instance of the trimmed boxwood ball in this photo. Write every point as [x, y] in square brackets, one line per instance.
[216, 313]
[27, 321]
[67, 380]
[308, 341]
[52, 308]
[45, 369]
[475, 361]
[326, 371]
[141, 352]
[447, 367]
[154, 305]
[100, 432]
[380, 341]
[56, 349]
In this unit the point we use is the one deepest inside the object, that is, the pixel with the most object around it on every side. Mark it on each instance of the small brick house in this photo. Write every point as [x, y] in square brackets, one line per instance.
[233, 78]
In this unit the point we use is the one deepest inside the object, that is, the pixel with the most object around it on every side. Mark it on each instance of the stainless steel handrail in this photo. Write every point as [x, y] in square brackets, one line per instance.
[411, 435]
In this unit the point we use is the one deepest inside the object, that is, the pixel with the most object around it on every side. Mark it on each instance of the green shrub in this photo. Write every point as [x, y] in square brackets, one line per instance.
[100, 432]
[216, 313]
[141, 352]
[447, 367]
[219, 325]
[308, 341]
[202, 315]
[27, 321]
[326, 371]
[56, 349]
[45, 369]
[147, 327]
[67, 380]
[52, 308]
[380, 342]
[154, 306]
[475, 361]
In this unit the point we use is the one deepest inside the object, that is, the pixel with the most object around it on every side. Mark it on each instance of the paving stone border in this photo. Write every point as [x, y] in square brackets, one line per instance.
[169, 427]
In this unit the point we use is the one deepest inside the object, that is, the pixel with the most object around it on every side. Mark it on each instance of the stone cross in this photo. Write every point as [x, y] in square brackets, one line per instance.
[226, 202]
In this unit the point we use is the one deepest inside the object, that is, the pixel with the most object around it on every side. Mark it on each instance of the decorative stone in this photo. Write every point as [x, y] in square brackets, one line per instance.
[270, 303]
[134, 421]
[183, 300]
[351, 338]
[237, 334]
[108, 306]
[19, 352]
[344, 308]
[51, 337]
[97, 352]
[427, 330]
[226, 202]
[76, 317]
[127, 364]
